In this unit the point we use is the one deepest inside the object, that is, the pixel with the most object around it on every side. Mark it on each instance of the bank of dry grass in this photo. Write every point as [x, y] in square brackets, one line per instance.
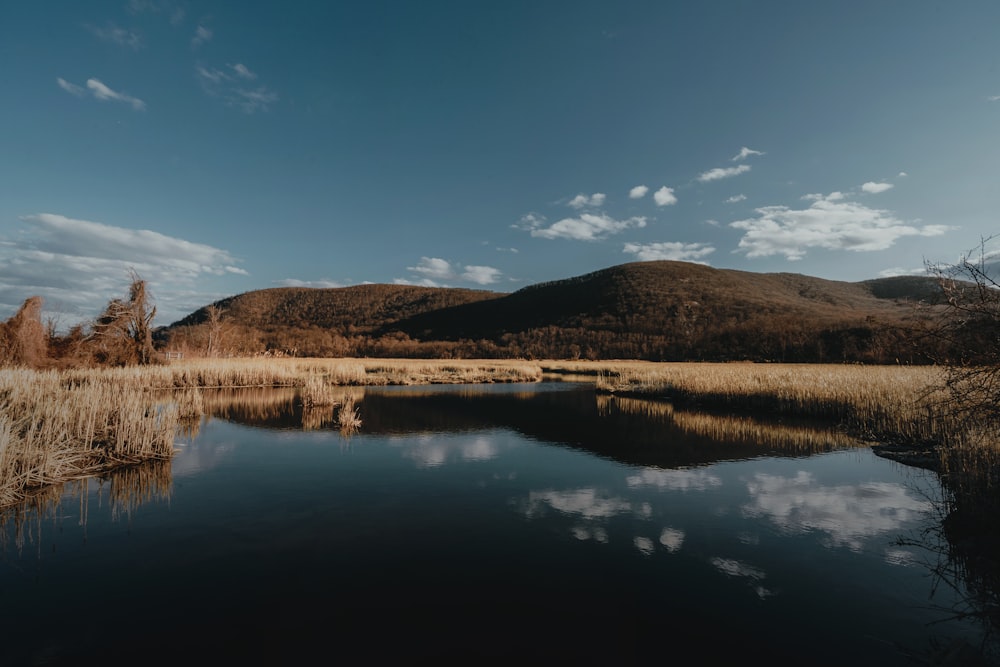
[284, 372]
[898, 403]
[51, 432]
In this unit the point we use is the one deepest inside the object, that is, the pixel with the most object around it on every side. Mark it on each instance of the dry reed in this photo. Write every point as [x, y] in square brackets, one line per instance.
[51, 432]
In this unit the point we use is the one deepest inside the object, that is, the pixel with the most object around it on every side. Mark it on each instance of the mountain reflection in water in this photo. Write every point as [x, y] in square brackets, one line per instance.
[629, 430]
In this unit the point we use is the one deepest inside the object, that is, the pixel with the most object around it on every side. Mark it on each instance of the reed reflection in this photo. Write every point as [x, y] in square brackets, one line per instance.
[126, 489]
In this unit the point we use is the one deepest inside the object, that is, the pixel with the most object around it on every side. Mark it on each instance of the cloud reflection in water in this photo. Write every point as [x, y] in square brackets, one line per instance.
[848, 515]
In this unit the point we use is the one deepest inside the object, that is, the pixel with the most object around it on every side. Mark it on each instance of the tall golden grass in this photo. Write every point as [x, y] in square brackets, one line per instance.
[286, 372]
[51, 431]
[877, 402]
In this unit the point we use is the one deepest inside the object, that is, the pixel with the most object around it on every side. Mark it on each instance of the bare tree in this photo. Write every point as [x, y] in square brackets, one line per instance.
[214, 321]
[123, 333]
[970, 331]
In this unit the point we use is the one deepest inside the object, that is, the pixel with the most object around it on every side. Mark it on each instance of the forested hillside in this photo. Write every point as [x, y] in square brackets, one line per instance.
[646, 310]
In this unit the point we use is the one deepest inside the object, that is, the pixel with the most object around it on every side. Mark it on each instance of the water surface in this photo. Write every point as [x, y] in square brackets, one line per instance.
[530, 522]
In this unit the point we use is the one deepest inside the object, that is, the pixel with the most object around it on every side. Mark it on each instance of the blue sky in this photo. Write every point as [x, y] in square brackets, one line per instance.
[217, 148]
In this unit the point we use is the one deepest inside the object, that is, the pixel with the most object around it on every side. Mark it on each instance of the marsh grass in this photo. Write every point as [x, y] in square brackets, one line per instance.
[896, 403]
[348, 416]
[52, 432]
[284, 372]
[317, 392]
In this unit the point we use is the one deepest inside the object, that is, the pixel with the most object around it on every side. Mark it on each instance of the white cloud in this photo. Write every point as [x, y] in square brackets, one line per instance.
[481, 275]
[201, 36]
[684, 252]
[530, 221]
[228, 85]
[874, 188]
[638, 192]
[903, 174]
[116, 35]
[664, 197]
[433, 270]
[103, 93]
[722, 172]
[745, 153]
[587, 227]
[828, 223]
[994, 98]
[736, 198]
[582, 200]
[77, 265]
[70, 88]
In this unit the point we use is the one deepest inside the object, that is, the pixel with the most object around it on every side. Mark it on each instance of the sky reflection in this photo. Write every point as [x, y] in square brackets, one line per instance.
[848, 515]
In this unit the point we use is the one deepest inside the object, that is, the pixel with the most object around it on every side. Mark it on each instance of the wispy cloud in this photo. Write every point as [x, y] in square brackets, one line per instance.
[665, 197]
[114, 34]
[874, 188]
[76, 265]
[681, 252]
[994, 98]
[745, 153]
[830, 222]
[583, 201]
[70, 88]
[897, 271]
[722, 172]
[102, 92]
[586, 227]
[201, 36]
[230, 85]
[736, 198]
[293, 282]
[638, 192]
[436, 272]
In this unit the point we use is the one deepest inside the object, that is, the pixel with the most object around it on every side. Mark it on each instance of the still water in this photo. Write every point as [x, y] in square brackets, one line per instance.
[529, 522]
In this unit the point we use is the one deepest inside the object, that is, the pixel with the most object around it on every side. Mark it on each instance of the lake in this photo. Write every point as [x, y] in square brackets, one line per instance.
[527, 522]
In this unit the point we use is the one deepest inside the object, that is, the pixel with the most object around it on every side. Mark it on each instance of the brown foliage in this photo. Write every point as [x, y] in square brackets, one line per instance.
[23, 338]
[122, 335]
[643, 310]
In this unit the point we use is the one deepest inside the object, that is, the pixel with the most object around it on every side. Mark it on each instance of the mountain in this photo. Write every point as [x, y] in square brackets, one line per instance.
[645, 310]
